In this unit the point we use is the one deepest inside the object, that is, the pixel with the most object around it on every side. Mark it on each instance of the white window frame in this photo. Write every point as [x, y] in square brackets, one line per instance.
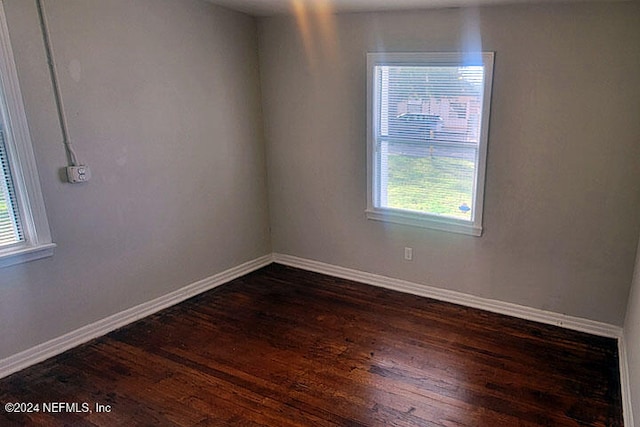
[374, 211]
[37, 235]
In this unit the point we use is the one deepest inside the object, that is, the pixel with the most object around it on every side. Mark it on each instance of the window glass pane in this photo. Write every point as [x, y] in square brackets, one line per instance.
[424, 177]
[443, 103]
[10, 228]
[428, 134]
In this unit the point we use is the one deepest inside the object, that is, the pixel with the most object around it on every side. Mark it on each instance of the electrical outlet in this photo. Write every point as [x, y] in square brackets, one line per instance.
[78, 174]
[408, 254]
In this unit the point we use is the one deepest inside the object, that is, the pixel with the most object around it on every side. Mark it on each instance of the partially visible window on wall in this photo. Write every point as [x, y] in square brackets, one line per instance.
[10, 223]
[24, 229]
[427, 138]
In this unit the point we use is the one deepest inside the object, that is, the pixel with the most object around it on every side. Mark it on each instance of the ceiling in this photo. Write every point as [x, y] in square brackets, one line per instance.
[278, 7]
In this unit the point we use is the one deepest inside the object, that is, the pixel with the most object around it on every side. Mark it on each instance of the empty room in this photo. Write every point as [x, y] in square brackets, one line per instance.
[319, 213]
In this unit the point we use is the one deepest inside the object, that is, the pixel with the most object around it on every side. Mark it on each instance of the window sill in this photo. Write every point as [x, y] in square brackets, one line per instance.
[425, 221]
[22, 254]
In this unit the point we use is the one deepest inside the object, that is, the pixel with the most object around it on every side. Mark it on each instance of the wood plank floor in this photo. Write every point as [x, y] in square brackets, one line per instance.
[285, 347]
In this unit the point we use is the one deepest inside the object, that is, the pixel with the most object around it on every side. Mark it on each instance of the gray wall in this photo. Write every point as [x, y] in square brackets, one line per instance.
[561, 200]
[632, 340]
[163, 103]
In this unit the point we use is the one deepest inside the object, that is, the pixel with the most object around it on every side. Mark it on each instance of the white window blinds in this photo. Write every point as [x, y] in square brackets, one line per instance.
[10, 228]
[428, 137]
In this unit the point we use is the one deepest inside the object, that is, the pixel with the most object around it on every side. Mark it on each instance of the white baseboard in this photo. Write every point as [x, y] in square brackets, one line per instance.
[86, 333]
[495, 306]
[625, 384]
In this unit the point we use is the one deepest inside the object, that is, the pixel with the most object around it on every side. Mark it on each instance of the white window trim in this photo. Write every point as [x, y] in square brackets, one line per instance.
[35, 225]
[418, 219]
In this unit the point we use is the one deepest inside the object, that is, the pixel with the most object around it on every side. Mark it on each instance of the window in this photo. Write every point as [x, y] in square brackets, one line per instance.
[428, 116]
[24, 230]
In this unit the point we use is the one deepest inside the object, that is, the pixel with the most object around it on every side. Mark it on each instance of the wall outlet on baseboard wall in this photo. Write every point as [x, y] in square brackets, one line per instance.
[408, 254]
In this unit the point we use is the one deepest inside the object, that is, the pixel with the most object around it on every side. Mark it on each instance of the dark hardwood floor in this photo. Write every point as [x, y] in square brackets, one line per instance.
[285, 347]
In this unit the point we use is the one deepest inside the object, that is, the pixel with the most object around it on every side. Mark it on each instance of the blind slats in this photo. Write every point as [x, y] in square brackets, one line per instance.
[10, 227]
[425, 102]
[427, 137]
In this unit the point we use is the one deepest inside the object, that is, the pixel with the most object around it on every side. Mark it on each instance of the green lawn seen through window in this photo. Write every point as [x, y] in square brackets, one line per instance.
[432, 184]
